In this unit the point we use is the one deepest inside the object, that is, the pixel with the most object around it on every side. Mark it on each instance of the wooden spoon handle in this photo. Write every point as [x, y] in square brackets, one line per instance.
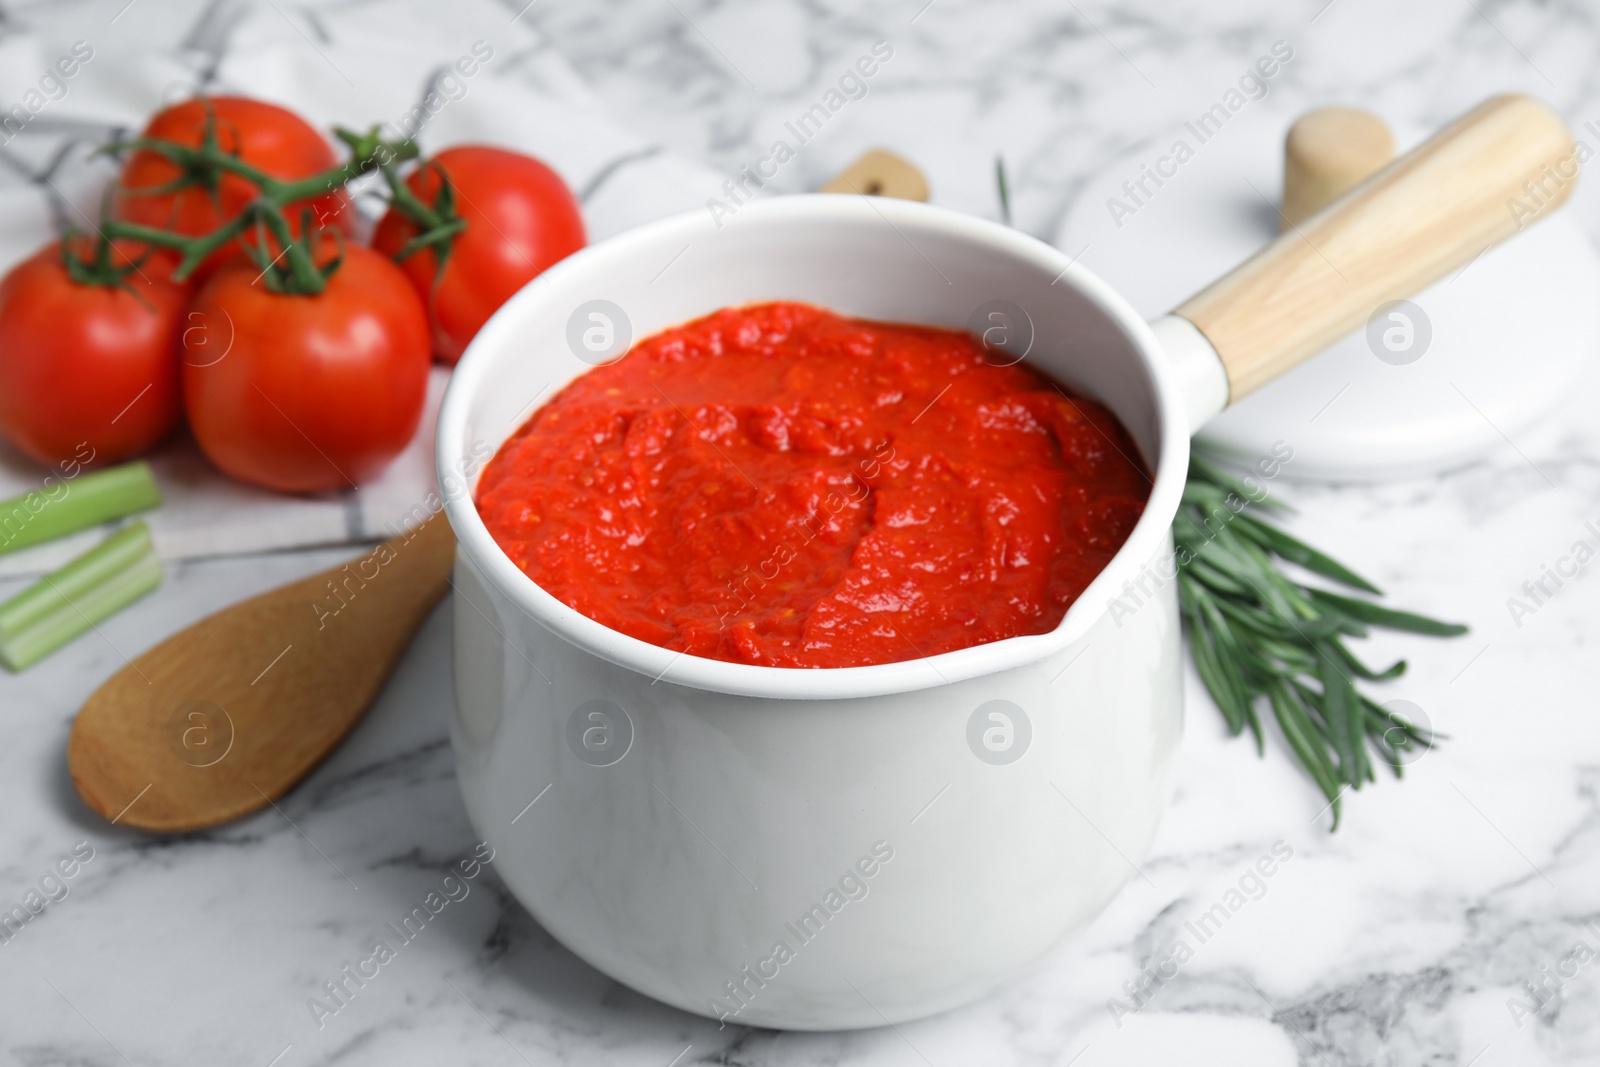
[1506, 163]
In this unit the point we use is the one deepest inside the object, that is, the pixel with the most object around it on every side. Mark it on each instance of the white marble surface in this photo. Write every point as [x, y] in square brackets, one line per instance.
[1396, 941]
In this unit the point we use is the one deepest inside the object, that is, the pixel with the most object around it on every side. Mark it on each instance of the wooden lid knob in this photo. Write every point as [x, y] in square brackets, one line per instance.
[1327, 152]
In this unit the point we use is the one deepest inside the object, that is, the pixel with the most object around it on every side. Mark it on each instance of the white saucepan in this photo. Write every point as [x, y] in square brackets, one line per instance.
[819, 849]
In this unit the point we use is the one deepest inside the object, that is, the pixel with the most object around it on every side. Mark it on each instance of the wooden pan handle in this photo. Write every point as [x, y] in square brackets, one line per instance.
[1503, 165]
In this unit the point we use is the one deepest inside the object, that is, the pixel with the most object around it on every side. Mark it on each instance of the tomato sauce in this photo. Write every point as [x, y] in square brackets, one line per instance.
[779, 485]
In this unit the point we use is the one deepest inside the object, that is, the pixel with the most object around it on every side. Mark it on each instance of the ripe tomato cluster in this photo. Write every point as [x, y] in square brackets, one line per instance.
[235, 293]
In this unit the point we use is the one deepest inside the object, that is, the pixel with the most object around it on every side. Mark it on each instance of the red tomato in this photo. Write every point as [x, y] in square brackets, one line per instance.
[87, 363]
[264, 135]
[306, 393]
[521, 218]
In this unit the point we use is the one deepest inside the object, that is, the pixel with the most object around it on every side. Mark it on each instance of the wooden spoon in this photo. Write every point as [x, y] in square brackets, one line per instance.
[223, 717]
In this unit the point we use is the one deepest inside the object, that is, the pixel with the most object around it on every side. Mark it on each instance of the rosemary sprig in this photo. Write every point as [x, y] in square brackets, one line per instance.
[1261, 638]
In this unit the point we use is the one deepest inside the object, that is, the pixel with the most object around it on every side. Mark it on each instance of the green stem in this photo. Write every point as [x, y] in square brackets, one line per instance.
[287, 192]
[369, 151]
[82, 502]
[408, 203]
[303, 272]
[69, 601]
[194, 249]
[204, 165]
[191, 159]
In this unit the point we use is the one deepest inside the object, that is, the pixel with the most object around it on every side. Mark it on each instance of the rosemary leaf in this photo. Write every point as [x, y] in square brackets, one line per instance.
[1231, 661]
[1343, 710]
[1395, 731]
[1217, 578]
[1208, 475]
[1228, 680]
[1376, 615]
[1361, 670]
[1297, 551]
[1207, 662]
[1304, 740]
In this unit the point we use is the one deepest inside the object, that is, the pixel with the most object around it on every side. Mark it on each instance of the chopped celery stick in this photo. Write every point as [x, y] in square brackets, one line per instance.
[76, 504]
[65, 603]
